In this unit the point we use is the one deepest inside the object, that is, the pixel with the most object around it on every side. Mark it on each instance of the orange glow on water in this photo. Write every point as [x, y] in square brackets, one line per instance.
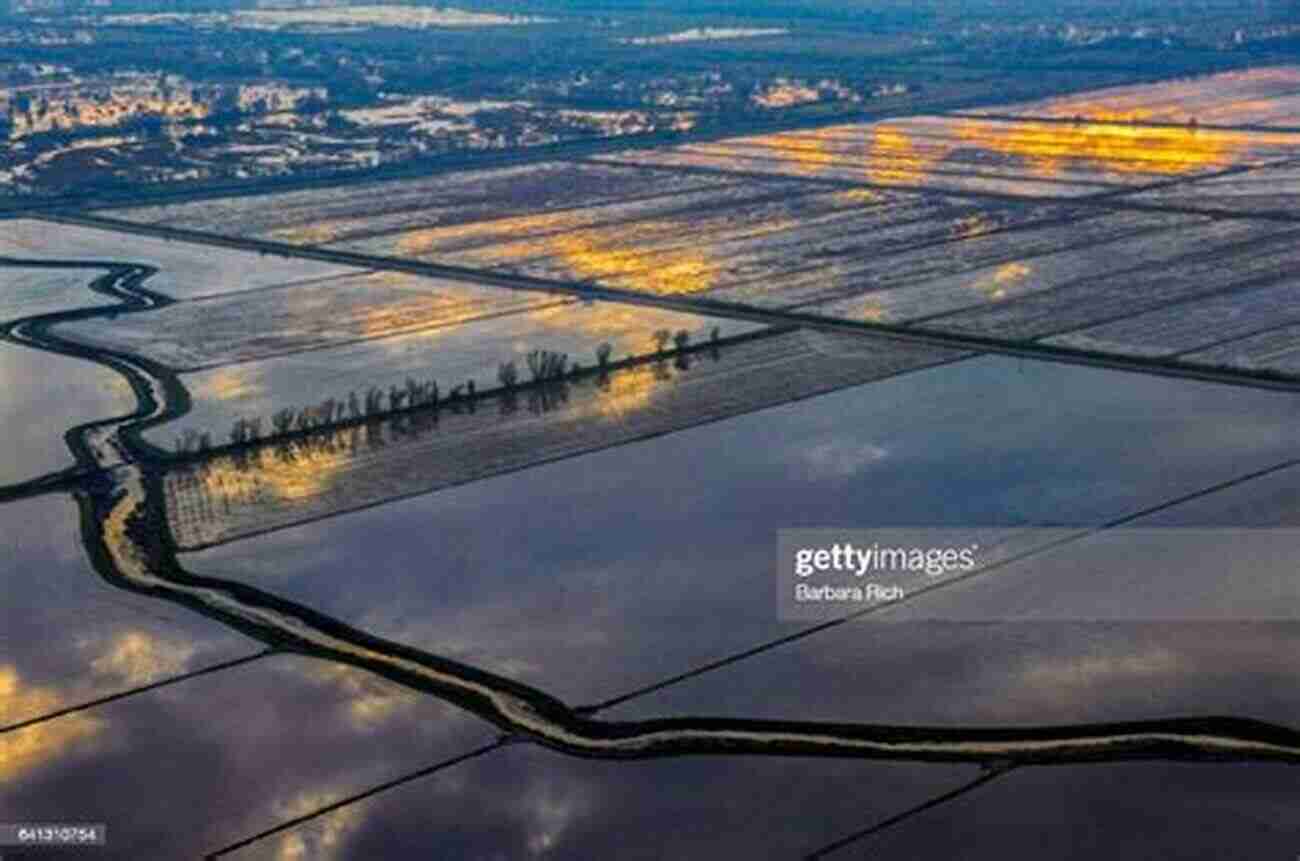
[1229, 98]
[893, 156]
[596, 255]
[1106, 141]
[872, 312]
[308, 472]
[441, 240]
[807, 152]
[1101, 141]
[139, 658]
[25, 750]
[857, 197]
[626, 391]
[974, 225]
[1002, 280]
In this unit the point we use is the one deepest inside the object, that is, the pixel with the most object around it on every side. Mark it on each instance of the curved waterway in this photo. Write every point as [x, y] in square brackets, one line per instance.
[128, 542]
[159, 396]
[125, 533]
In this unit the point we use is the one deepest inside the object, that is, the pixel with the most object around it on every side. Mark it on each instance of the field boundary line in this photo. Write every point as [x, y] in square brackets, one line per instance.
[702, 305]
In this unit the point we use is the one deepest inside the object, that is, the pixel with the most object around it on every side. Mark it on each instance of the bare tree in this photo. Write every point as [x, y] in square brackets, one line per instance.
[190, 441]
[282, 420]
[508, 374]
[545, 365]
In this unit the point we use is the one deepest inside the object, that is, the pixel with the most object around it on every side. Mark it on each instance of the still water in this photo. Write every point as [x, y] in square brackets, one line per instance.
[594, 578]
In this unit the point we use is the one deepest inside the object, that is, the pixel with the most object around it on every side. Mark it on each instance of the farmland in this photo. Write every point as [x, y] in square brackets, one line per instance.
[317, 216]
[1023, 226]
[968, 155]
[1253, 97]
[1269, 190]
[65, 391]
[122, 640]
[28, 290]
[482, 468]
[1071, 303]
[319, 313]
[184, 271]
[62, 389]
[454, 356]
[1097, 229]
[274, 485]
[864, 453]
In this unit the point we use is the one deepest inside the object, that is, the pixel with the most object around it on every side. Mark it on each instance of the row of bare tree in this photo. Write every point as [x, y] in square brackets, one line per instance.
[544, 366]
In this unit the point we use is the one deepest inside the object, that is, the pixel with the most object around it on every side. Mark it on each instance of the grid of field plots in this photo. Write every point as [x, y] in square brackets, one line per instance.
[1154, 220]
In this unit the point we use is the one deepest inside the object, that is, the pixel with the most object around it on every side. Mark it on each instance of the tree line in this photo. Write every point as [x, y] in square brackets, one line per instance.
[546, 369]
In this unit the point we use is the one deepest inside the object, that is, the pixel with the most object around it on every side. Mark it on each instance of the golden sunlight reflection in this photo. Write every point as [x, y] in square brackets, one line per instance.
[138, 658]
[857, 196]
[310, 234]
[370, 701]
[974, 225]
[628, 328]
[271, 476]
[322, 838]
[808, 152]
[996, 284]
[224, 384]
[610, 255]
[127, 554]
[1092, 138]
[1229, 98]
[627, 391]
[894, 157]
[1110, 142]
[418, 309]
[435, 240]
[872, 312]
[599, 319]
[600, 255]
[24, 750]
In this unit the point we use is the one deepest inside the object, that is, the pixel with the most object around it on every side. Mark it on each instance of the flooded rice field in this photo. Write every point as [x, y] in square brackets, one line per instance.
[1264, 97]
[346, 539]
[1076, 223]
